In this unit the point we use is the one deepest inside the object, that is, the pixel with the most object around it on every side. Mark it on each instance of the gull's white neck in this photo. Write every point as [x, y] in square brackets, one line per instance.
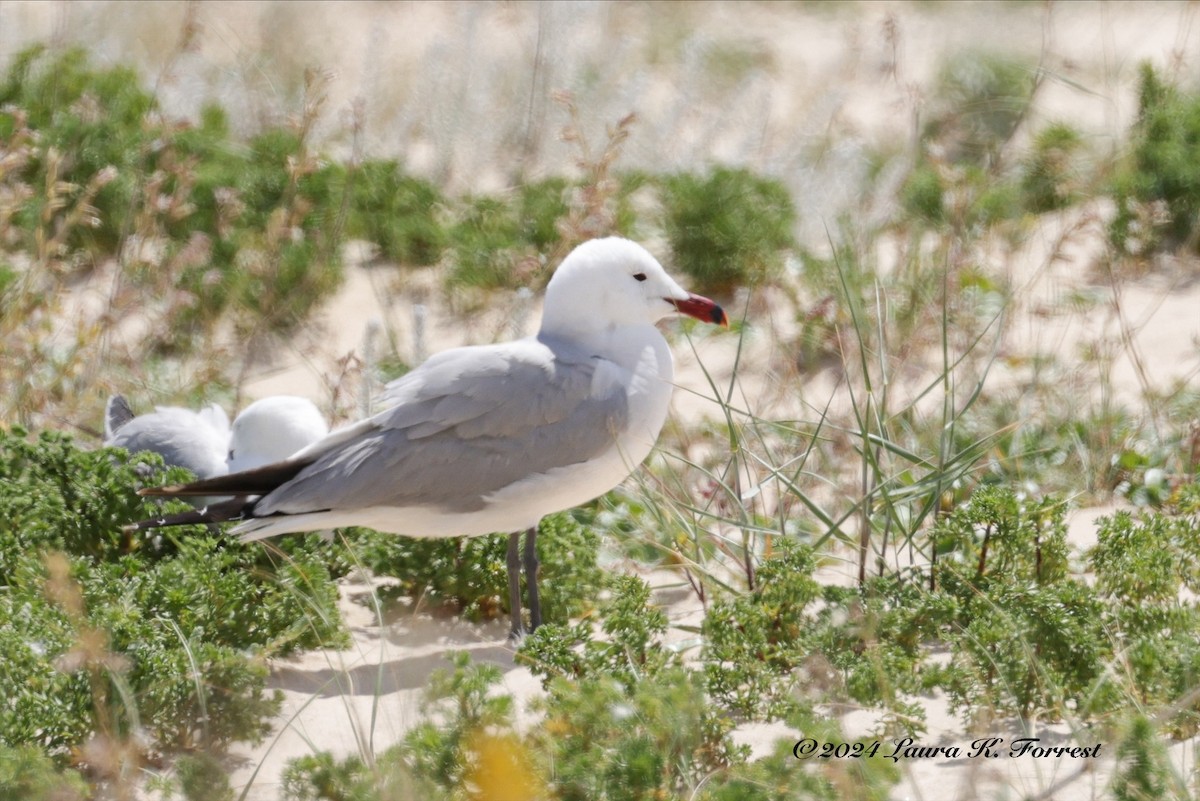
[623, 344]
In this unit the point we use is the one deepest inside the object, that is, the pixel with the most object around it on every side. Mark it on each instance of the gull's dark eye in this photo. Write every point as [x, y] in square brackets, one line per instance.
[639, 276]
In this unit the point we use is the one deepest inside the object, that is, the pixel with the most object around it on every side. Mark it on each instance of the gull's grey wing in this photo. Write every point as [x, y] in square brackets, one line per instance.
[180, 436]
[467, 423]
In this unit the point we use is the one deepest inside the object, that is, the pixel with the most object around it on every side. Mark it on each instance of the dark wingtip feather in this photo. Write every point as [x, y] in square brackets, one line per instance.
[258, 481]
[116, 414]
[221, 512]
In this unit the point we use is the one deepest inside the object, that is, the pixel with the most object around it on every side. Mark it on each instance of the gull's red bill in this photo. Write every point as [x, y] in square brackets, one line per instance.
[701, 308]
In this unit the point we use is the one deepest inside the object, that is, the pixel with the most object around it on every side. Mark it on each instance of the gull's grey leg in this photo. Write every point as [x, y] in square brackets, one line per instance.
[531, 578]
[514, 582]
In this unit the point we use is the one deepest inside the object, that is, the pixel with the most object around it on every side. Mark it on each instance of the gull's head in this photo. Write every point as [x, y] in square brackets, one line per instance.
[272, 429]
[611, 282]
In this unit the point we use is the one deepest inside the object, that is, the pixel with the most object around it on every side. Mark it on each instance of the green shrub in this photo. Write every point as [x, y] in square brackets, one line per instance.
[321, 777]
[996, 535]
[977, 198]
[776, 777]
[202, 778]
[539, 207]
[468, 708]
[655, 739]
[979, 101]
[921, 195]
[1147, 570]
[398, 212]
[102, 633]
[194, 215]
[497, 242]
[92, 119]
[629, 651]
[728, 227]
[755, 643]
[1144, 769]
[28, 774]
[1028, 639]
[776, 650]
[624, 717]
[484, 243]
[1051, 177]
[270, 215]
[1158, 191]
[44, 708]
[1027, 651]
[471, 573]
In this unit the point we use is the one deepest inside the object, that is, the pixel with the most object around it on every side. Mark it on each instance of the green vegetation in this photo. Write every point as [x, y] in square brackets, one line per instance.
[623, 718]
[1158, 189]
[233, 225]
[26, 772]
[471, 574]
[727, 228]
[398, 212]
[968, 172]
[960, 178]
[982, 99]
[1052, 177]
[153, 647]
[88, 121]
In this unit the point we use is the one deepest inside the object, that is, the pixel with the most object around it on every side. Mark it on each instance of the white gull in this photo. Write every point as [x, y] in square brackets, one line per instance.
[490, 438]
[272, 429]
[197, 441]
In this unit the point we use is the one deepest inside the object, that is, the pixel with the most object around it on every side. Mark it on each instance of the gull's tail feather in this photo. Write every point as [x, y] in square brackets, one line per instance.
[232, 509]
[259, 481]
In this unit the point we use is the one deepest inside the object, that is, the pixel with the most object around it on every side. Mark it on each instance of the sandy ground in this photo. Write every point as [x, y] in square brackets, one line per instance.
[365, 698]
[463, 92]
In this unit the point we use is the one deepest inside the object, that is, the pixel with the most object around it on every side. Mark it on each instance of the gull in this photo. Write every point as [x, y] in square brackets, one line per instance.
[197, 441]
[490, 438]
[272, 429]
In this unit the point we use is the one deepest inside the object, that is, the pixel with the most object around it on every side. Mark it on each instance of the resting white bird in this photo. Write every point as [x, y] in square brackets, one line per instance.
[183, 438]
[272, 429]
[491, 438]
